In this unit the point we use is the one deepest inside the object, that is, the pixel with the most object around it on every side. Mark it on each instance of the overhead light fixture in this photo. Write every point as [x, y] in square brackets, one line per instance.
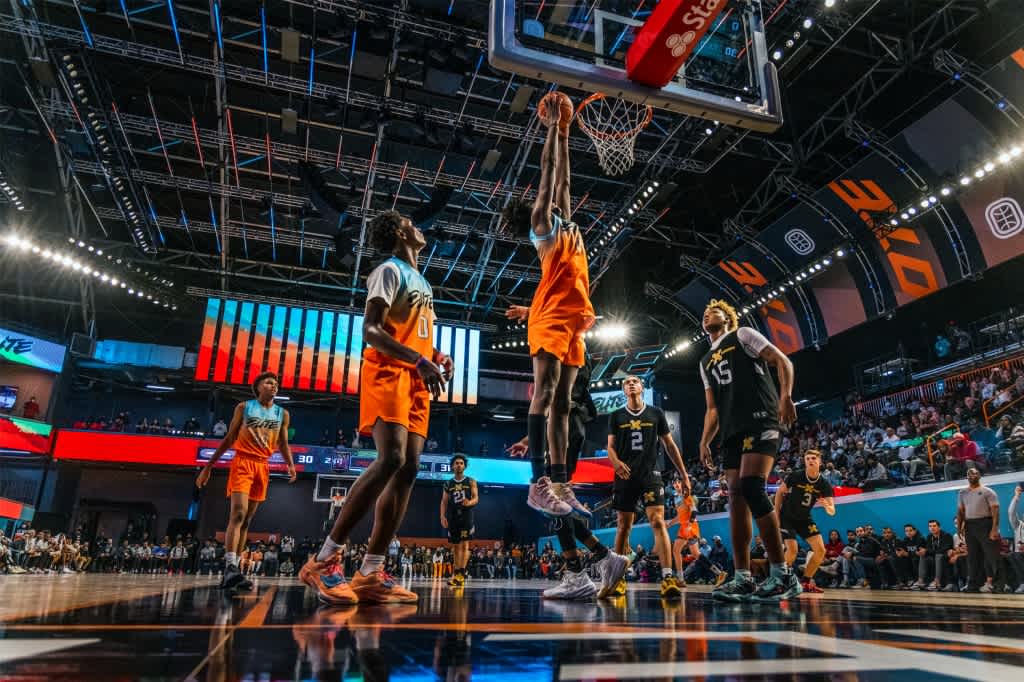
[159, 387]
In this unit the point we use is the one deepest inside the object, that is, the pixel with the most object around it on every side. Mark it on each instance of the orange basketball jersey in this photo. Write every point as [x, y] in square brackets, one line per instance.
[564, 289]
[261, 428]
[410, 318]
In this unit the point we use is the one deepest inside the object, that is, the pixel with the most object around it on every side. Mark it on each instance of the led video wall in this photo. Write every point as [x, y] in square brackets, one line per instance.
[28, 350]
[311, 349]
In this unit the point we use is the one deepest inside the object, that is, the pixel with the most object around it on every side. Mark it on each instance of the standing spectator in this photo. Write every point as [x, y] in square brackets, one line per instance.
[406, 562]
[394, 547]
[270, 562]
[207, 558]
[287, 548]
[220, 429]
[978, 513]
[438, 562]
[30, 410]
[1016, 556]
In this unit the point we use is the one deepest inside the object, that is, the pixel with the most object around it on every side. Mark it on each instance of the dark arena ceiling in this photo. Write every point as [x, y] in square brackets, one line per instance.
[189, 156]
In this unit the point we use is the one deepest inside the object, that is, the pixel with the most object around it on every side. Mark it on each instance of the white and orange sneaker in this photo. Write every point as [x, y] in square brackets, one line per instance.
[381, 588]
[327, 578]
[544, 499]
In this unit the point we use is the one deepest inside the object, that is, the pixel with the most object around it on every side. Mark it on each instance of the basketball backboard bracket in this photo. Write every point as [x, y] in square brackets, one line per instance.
[559, 64]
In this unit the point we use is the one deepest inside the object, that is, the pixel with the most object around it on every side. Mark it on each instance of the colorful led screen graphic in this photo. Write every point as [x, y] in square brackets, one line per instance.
[24, 436]
[29, 350]
[312, 350]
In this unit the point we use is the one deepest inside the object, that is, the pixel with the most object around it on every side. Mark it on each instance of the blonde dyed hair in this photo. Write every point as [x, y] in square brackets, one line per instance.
[732, 320]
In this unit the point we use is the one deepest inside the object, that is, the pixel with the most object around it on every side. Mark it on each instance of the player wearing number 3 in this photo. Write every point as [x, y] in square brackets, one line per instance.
[401, 371]
[749, 412]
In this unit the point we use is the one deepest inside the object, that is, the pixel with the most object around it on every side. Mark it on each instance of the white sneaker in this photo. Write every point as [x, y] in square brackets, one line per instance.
[611, 569]
[542, 497]
[565, 493]
[574, 587]
[986, 588]
[68, 569]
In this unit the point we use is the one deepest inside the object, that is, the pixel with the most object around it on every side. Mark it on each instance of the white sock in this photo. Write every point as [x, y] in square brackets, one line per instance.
[666, 572]
[744, 573]
[372, 563]
[231, 558]
[329, 549]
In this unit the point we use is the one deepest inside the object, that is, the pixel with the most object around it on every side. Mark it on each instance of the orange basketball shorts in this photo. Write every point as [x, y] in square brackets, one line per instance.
[392, 394]
[688, 531]
[562, 337]
[250, 476]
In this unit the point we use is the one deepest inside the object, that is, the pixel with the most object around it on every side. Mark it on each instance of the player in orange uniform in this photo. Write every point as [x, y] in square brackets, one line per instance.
[558, 317]
[258, 428]
[401, 371]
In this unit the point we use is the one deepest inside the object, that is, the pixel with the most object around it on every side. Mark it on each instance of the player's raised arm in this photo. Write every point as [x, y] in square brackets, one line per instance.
[550, 186]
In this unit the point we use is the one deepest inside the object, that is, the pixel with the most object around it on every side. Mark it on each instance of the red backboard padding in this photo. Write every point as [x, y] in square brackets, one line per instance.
[668, 38]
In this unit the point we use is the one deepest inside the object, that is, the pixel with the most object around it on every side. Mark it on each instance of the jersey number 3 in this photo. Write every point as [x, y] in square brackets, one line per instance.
[723, 375]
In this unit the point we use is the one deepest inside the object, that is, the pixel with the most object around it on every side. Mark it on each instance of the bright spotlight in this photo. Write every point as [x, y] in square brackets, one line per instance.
[965, 180]
[776, 55]
[980, 173]
[905, 215]
[912, 211]
[840, 253]
[827, 261]
[830, 3]
[808, 22]
[1004, 158]
[989, 167]
[924, 203]
[945, 191]
[933, 200]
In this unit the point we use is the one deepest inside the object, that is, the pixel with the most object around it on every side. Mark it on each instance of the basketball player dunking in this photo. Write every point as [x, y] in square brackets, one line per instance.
[258, 428]
[401, 370]
[559, 315]
[749, 412]
[458, 498]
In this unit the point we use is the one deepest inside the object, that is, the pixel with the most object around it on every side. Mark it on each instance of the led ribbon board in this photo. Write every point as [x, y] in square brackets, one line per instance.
[24, 349]
[311, 349]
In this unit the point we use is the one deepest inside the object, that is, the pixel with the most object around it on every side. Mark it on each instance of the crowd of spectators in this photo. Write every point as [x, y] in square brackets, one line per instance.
[122, 423]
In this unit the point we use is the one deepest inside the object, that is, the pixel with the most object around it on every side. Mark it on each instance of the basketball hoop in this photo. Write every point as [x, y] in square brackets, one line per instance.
[612, 124]
[337, 502]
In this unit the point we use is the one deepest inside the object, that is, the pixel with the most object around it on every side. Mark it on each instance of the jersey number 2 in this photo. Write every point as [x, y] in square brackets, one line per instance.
[638, 440]
[423, 329]
[723, 375]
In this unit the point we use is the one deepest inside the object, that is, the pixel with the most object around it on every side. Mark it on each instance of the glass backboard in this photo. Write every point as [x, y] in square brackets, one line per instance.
[582, 44]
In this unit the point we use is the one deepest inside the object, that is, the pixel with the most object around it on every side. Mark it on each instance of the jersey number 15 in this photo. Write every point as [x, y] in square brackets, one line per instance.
[723, 375]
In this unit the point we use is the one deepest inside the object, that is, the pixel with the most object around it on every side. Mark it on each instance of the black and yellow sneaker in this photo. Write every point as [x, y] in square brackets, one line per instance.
[671, 588]
[620, 589]
[457, 580]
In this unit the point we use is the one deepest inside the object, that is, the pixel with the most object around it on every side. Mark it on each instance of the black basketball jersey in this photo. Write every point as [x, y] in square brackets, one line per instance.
[804, 494]
[457, 491]
[741, 383]
[636, 437]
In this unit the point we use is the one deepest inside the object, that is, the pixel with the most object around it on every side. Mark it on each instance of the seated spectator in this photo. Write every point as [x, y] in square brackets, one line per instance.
[933, 563]
[220, 429]
[1016, 555]
[876, 476]
[270, 562]
[962, 454]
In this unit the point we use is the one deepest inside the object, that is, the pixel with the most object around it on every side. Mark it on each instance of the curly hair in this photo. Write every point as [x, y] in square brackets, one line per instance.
[384, 231]
[258, 380]
[517, 216]
[732, 320]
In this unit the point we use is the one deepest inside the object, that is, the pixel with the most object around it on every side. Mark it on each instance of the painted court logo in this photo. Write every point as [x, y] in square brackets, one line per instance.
[799, 241]
[1004, 218]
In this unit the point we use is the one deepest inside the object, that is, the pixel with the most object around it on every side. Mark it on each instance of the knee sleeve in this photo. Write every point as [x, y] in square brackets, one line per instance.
[752, 490]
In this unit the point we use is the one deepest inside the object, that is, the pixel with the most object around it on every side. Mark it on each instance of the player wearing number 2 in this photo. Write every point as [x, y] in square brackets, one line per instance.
[634, 432]
[794, 500]
[401, 370]
[744, 406]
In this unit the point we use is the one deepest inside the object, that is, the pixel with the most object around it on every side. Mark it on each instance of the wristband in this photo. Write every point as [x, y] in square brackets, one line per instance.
[421, 361]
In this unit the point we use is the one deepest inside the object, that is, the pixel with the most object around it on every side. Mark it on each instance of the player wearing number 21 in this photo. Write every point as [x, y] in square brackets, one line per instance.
[749, 412]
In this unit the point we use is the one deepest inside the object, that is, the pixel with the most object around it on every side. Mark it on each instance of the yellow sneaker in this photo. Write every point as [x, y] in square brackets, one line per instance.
[381, 588]
[670, 588]
[457, 580]
[327, 578]
[620, 589]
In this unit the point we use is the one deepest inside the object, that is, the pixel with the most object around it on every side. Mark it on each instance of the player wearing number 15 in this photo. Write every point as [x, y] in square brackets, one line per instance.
[745, 407]
[401, 370]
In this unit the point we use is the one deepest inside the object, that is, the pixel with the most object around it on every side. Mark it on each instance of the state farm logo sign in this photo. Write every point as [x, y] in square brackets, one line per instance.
[696, 18]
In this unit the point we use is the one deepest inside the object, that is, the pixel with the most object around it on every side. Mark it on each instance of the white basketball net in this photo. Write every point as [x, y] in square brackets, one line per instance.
[612, 124]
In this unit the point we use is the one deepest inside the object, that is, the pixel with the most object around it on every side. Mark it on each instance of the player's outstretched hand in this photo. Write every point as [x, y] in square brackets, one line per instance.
[706, 458]
[518, 449]
[203, 478]
[517, 312]
[432, 376]
[787, 411]
[291, 473]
